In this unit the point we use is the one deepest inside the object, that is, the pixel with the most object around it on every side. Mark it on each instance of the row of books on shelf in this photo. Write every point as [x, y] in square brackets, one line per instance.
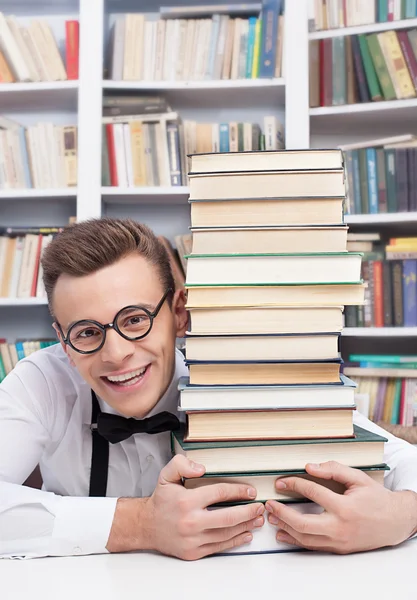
[381, 175]
[363, 68]
[38, 156]
[332, 14]
[183, 49]
[31, 53]
[152, 149]
[390, 382]
[20, 255]
[11, 353]
[390, 272]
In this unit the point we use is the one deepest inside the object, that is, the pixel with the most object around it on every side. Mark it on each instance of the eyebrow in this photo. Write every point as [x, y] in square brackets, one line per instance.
[150, 307]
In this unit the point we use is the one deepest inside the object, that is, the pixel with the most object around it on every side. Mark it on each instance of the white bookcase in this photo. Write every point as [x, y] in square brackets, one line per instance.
[166, 210]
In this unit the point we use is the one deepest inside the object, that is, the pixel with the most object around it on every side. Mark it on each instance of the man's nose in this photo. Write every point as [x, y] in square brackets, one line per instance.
[116, 348]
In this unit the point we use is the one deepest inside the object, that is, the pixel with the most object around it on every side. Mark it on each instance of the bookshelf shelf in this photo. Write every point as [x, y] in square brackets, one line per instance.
[145, 195]
[44, 95]
[23, 302]
[52, 193]
[269, 91]
[371, 28]
[380, 331]
[394, 114]
[367, 219]
[29, 7]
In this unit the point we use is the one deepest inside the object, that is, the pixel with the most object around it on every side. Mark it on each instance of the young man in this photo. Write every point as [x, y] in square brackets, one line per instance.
[96, 413]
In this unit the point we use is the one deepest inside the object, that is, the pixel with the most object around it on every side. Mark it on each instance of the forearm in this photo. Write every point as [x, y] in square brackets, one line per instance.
[130, 528]
[35, 523]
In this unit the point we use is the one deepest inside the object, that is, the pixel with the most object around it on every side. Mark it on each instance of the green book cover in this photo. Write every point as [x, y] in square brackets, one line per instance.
[395, 414]
[389, 358]
[381, 67]
[360, 435]
[391, 179]
[369, 68]
[338, 71]
[2, 369]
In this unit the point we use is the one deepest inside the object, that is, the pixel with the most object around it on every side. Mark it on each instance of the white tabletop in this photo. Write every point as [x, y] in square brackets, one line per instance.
[377, 575]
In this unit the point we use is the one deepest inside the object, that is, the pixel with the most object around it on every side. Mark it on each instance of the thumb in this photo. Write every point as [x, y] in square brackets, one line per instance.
[180, 467]
[348, 476]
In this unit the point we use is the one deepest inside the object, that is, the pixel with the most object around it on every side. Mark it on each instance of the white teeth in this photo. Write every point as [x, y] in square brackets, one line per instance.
[126, 376]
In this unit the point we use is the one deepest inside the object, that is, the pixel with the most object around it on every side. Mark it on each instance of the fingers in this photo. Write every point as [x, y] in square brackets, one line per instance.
[341, 473]
[311, 490]
[227, 533]
[305, 524]
[289, 535]
[218, 547]
[180, 467]
[232, 516]
[224, 492]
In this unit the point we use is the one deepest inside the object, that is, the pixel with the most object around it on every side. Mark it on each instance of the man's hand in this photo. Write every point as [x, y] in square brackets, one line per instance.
[365, 517]
[176, 520]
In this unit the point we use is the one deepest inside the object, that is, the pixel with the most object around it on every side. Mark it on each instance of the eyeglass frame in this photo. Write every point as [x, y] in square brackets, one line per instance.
[113, 325]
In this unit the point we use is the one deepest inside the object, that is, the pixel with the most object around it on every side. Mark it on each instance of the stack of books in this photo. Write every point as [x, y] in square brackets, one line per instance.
[267, 280]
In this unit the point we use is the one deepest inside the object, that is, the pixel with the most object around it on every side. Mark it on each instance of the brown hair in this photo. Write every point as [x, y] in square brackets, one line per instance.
[86, 247]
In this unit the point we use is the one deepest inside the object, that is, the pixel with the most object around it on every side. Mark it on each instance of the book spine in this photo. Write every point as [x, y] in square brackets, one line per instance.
[363, 170]
[174, 153]
[372, 180]
[397, 292]
[401, 179]
[356, 183]
[270, 13]
[409, 57]
[396, 64]
[112, 154]
[338, 71]
[364, 94]
[380, 67]
[257, 49]
[351, 87]
[72, 36]
[410, 293]
[382, 187]
[370, 73]
[251, 47]
[391, 178]
[387, 294]
[378, 294]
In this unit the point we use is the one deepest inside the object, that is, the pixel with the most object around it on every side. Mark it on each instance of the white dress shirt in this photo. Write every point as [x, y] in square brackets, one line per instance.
[45, 416]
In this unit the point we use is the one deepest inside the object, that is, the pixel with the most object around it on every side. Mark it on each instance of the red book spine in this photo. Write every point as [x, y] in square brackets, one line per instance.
[112, 154]
[378, 294]
[72, 45]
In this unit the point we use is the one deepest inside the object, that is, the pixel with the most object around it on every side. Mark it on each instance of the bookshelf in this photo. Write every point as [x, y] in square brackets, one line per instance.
[166, 209]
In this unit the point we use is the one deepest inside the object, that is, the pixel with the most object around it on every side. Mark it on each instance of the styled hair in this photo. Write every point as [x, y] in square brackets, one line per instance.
[84, 248]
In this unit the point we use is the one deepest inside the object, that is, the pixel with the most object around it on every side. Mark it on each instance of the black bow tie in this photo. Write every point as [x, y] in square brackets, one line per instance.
[116, 429]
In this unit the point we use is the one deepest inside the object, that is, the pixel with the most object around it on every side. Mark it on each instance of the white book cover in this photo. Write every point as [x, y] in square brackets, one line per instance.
[11, 50]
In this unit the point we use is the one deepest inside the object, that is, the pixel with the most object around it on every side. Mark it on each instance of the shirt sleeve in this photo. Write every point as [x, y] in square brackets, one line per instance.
[35, 523]
[399, 455]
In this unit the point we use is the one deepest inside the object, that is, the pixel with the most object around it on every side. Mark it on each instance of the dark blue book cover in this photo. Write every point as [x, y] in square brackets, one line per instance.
[271, 10]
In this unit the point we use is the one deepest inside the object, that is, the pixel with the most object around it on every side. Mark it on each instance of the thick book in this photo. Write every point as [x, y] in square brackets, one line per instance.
[264, 372]
[264, 483]
[269, 424]
[261, 240]
[266, 319]
[261, 184]
[229, 397]
[262, 346]
[340, 294]
[318, 267]
[253, 211]
[267, 160]
[365, 448]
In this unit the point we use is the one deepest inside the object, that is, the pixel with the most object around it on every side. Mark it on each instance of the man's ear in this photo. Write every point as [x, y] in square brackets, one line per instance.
[180, 312]
[63, 344]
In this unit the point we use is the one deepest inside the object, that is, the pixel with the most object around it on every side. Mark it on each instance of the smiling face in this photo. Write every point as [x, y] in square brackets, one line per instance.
[130, 376]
